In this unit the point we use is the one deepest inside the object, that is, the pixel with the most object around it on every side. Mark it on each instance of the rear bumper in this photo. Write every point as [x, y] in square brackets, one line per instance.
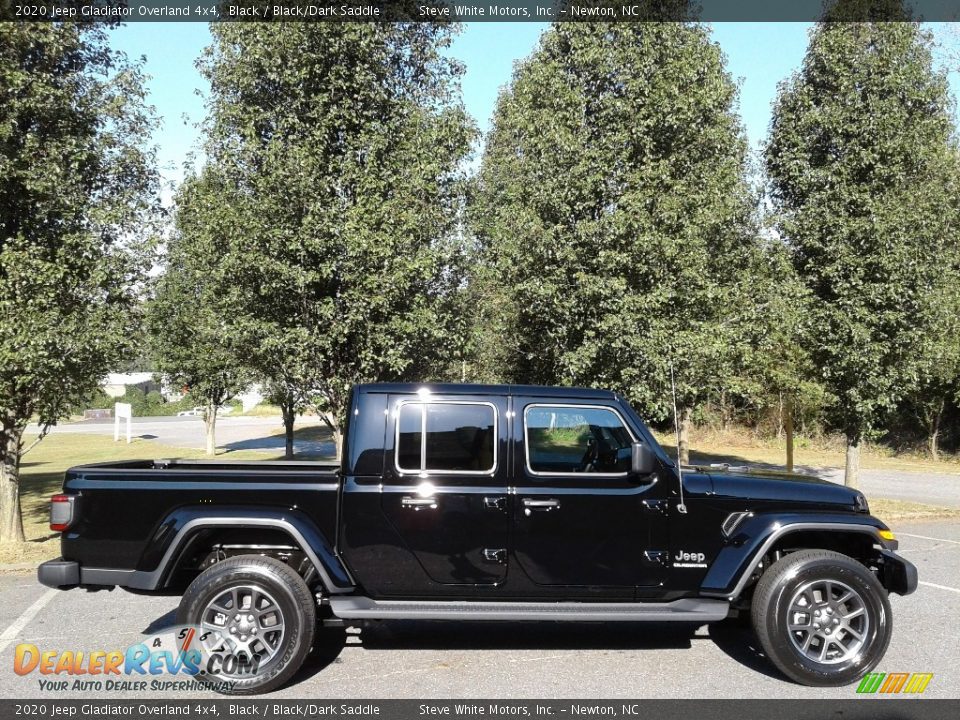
[62, 573]
[59, 573]
[898, 575]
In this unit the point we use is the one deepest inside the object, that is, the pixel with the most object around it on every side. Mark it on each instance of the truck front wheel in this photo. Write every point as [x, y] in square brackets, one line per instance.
[255, 619]
[821, 617]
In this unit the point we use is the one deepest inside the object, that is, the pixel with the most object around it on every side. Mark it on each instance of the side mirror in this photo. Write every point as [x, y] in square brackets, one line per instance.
[642, 459]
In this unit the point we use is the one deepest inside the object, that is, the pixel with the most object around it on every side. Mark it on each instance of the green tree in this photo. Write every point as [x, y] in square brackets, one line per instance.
[613, 209]
[341, 146]
[938, 371]
[775, 367]
[189, 312]
[860, 164]
[77, 194]
[489, 318]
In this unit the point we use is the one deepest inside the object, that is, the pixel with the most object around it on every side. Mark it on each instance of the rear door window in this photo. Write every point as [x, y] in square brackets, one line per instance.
[446, 437]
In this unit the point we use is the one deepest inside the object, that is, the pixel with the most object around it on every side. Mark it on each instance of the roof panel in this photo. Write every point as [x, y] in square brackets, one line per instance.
[475, 389]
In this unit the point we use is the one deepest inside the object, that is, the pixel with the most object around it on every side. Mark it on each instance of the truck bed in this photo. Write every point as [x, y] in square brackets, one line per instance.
[121, 529]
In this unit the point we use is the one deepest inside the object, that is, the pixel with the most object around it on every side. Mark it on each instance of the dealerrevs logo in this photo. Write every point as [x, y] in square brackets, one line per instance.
[194, 657]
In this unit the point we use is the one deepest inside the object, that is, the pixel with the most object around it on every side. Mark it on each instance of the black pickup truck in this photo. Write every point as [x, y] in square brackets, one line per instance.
[475, 502]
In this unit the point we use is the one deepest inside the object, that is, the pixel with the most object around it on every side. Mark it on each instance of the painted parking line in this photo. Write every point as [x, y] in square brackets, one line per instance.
[21, 622]
[939, 587]
[927, 537]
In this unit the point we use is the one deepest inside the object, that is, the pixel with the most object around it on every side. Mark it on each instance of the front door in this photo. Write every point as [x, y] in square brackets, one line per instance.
[445, 490]
[580, 517]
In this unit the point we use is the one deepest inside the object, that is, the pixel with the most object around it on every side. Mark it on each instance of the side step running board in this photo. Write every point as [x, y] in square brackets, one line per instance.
[686, 610]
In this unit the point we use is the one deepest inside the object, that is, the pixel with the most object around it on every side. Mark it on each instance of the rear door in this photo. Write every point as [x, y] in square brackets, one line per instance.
[445, 489]
[581, 519]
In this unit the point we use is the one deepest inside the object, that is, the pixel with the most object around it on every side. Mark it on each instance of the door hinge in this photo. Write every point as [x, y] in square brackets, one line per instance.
[657, 557]
[495, 555]
[660, 506]
[495, 503]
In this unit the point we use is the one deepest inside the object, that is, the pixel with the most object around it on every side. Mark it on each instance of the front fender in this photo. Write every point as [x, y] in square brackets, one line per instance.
[173, 535]
[731, 570]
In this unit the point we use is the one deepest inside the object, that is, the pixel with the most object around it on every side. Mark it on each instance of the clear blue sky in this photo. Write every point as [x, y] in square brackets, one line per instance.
[759, 55]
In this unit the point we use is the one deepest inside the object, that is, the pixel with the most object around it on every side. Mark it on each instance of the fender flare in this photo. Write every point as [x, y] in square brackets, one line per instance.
[731, 569]
[176, 530]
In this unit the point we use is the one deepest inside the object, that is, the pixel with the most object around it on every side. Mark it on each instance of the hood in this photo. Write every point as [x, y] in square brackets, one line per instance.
[776, 485]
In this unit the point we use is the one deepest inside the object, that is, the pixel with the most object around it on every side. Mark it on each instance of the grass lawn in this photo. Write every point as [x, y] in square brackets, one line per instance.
[891, 511]
[43, 468]
[262, 410]
[314, 432]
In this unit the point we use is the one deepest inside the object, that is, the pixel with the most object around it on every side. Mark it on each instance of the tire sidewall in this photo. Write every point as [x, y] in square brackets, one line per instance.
[295, 644]
[875, 601]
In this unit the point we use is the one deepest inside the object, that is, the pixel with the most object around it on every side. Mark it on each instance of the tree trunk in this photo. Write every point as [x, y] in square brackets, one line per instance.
[329, 419]
[851, 474]
[788, 429]
[289, 415]
[11, 520]
[686, 422]
[210, 420]
[935, 432]
[781, 420]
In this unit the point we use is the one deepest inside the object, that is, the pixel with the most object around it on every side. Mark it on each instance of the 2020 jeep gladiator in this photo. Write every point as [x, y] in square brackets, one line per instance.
[487, 503]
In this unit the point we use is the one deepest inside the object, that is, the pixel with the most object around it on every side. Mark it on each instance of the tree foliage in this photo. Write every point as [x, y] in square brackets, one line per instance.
[77, 197]
[862, 175]
[189, 313]
[341, 149]
[614, 212]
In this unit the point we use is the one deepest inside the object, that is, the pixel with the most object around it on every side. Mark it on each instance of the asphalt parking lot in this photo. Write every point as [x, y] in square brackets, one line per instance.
[536, 660]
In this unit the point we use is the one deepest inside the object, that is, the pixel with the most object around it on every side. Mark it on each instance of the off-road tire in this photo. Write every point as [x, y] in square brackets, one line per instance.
[293, 600]
[781, 596]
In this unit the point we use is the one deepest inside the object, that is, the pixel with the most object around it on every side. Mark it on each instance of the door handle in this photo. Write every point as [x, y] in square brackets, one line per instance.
[529, 505]
[418, 503]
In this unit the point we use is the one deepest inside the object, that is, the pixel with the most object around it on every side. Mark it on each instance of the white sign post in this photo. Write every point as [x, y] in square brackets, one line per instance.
[122, 411]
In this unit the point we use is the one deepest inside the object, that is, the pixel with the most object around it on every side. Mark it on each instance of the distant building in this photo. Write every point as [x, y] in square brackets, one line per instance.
[251, 397]
[116, 384]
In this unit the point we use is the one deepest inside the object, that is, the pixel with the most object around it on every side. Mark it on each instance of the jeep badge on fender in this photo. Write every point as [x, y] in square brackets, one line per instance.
[687, 559]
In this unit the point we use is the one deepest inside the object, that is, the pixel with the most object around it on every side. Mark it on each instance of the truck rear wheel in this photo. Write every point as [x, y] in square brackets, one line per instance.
[822, 617]
[256, 620]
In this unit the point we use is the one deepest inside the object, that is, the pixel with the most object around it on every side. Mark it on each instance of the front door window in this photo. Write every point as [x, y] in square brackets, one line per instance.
[572, 440]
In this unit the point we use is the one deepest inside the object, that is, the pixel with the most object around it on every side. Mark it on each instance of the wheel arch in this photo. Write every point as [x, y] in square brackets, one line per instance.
[741, 559]
[185, 530]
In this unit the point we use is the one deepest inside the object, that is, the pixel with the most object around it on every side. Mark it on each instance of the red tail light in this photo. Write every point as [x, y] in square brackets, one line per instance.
[61, 512]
